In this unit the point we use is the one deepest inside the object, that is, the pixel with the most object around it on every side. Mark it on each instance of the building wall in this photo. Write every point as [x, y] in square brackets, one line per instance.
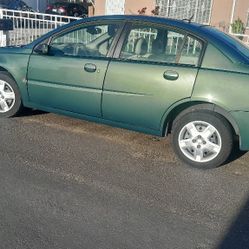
[222, 12]
[241, 11]
[220, 16]
[99, 7]
[131, 6]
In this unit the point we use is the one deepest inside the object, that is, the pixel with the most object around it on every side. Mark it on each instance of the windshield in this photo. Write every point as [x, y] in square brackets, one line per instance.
[231, 41]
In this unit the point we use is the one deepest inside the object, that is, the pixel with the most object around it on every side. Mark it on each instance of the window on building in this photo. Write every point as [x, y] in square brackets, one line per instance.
[114, 7]
[247, 23]
[200, 10]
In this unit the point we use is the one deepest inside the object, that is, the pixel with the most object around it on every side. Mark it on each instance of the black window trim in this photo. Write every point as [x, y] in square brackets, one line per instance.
[126, 31]
[111, 51]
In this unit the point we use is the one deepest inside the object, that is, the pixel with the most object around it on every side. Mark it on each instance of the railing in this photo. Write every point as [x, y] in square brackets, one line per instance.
[242, 37]
[28, 26]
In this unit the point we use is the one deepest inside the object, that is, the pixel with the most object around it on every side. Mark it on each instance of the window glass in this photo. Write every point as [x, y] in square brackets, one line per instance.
[191, 52]
[90, 41]
[160, 45]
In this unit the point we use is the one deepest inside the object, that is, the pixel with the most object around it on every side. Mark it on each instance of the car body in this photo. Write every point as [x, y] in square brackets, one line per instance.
[68, 9]
[15, 5]
[147, 74]
[3, 3]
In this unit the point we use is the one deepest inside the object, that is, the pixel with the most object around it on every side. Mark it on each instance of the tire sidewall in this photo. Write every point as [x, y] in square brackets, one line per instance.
[18, 103]
[215, 120]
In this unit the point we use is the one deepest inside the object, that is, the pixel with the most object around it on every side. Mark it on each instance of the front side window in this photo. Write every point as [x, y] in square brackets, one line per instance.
[153, 44]
[88, 41]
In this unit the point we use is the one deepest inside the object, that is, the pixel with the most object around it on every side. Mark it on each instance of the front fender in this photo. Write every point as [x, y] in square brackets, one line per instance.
[15, 62]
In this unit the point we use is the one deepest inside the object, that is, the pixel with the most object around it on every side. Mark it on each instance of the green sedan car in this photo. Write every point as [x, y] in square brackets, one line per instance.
[148, 74]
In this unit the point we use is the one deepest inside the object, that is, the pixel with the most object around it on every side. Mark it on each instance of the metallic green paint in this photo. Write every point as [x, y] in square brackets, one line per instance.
[228, 90]
[15, 61]
[138, 94]
[62, 83]
[242, 119]
[133, 95]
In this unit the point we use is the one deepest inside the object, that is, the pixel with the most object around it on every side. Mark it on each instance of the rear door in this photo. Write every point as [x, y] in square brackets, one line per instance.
[70, 77]
[155, 67]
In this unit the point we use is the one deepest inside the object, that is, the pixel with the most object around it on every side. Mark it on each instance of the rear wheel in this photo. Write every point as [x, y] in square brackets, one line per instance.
[202, 139]
[10, 99]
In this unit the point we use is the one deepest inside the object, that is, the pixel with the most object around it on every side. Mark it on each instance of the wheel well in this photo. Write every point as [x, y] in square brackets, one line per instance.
[3, 69]
[184, 108]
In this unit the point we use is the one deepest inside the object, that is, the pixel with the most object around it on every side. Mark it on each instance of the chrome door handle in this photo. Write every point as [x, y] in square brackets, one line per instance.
[90, 68]
[170, 75]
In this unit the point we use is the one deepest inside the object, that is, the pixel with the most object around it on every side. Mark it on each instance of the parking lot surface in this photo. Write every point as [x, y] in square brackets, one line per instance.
[67, 183]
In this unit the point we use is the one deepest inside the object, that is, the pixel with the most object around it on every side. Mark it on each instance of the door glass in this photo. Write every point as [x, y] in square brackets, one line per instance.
[89, 41]
[162, 45]
[191, 52]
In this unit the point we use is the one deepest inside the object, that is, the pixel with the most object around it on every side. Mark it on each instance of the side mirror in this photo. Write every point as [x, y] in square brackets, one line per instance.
[42, 49]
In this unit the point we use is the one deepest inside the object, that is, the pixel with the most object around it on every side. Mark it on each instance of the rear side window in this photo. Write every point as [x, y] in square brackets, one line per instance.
[232, 42]
[153, 44]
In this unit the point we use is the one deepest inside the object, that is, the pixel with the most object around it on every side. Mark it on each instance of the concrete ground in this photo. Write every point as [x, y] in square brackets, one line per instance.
[67, 183]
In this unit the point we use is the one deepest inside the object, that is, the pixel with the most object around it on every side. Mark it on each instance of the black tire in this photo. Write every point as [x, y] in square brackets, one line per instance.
[222, 139]
[17, 106]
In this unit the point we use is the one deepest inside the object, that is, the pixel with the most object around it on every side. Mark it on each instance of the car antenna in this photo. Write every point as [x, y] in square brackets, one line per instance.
[190, 19]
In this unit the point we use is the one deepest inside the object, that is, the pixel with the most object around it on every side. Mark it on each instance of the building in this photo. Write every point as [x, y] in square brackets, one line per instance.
[218, 13]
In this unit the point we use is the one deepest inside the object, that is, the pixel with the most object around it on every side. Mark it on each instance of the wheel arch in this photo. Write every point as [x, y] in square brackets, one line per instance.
[190, 106]
[2, 69]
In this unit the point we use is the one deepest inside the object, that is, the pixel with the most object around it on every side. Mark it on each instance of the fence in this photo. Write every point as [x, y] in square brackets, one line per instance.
[198, 10]
[28, 26]
[242, 37]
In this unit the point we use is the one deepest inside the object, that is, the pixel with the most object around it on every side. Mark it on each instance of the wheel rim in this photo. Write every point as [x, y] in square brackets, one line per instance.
[200, 141]
[7, 96]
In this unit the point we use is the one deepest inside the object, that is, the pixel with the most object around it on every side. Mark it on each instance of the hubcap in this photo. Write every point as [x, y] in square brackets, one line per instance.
[200, 141]
[7, 96]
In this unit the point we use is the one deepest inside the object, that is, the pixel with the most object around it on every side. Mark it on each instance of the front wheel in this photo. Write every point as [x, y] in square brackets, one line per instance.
[202, 139]
[10, 98]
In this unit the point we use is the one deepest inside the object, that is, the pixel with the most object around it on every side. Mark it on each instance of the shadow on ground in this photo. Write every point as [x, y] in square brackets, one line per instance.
[236, 154]
[238, 235]
[30, 112]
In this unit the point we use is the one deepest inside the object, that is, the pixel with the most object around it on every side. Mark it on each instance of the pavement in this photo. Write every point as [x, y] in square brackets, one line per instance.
[68, 183]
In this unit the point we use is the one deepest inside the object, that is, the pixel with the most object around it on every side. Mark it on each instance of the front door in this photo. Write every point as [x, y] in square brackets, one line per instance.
[156, 68]
[70, 77]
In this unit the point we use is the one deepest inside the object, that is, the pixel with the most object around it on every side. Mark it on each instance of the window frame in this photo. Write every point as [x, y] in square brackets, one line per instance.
[128, 27]
[247, 20]
[109, 55]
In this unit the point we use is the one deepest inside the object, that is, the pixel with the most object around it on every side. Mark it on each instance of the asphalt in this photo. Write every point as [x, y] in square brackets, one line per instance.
[67, 183]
